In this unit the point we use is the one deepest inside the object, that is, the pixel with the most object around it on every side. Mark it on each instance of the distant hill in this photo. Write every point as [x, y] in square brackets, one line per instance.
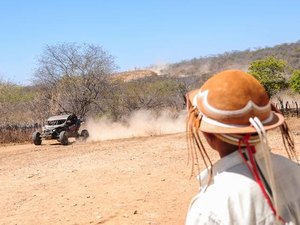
[133, 75]
[233, 60]
[208, 65]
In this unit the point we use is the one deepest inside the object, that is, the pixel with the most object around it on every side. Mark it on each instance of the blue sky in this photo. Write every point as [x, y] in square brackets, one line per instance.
[140, 33]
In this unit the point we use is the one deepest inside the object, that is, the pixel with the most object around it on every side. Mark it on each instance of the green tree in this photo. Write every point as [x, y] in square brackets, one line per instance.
[12, 93]
[270, 71]
[15, 101]
[295, 81]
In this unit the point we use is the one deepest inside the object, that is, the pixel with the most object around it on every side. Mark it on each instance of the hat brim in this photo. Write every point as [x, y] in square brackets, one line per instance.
[207, 127]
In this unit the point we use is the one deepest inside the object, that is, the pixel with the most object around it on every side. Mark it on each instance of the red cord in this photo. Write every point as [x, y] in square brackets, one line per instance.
[253, 169]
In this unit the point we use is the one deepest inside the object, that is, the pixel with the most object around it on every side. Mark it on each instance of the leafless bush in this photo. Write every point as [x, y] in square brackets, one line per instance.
[17, 133]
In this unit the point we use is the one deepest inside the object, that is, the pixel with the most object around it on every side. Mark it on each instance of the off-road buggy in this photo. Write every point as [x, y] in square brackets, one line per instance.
[60, 127]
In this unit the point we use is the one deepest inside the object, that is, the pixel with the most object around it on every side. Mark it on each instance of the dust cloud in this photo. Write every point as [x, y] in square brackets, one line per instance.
[139, 124]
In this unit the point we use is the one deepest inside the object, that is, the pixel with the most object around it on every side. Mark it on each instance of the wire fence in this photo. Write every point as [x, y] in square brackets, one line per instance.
[17, 133]
[289, 108]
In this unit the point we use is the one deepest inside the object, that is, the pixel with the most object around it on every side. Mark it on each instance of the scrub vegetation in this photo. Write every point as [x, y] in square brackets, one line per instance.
[84, 79]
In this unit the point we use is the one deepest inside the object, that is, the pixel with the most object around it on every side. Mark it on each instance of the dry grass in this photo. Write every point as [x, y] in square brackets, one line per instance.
[15, 135]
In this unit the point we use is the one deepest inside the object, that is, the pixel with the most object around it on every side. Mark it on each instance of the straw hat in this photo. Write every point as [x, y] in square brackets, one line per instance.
[229, 99]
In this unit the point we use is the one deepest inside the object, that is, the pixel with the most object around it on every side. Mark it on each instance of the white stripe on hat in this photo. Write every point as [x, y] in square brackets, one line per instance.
[247, 108]
[217, 123]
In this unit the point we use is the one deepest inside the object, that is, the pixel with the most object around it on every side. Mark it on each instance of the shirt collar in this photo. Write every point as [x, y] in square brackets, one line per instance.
[224, 164]
[220, 166]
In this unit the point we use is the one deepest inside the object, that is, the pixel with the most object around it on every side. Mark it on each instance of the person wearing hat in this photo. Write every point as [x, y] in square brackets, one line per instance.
[249, 184]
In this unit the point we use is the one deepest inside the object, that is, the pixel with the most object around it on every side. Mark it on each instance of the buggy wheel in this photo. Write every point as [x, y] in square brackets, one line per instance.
[36, 138]
[84, 134]
[63, 138]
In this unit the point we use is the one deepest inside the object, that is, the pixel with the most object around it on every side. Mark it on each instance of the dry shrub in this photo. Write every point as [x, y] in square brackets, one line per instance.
[15, 135]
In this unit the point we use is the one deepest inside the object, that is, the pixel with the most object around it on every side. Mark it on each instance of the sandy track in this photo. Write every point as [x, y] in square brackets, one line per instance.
[129, 181]
[125, 181]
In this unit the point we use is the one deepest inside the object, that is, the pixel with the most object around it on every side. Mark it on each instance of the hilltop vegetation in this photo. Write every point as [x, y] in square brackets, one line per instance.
[234, 59]
[128, 76]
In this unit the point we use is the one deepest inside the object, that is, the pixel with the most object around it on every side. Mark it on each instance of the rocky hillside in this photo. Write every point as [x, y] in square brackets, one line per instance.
[133, 75]
[233, 60]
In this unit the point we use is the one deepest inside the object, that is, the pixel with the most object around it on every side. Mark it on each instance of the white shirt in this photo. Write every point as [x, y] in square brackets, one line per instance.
[233, 197]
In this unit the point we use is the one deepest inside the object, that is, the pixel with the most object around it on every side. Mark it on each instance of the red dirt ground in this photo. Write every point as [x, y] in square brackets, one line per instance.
[125, 181]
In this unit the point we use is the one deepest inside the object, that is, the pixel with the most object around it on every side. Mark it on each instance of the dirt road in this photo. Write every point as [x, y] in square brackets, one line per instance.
[125, 181]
